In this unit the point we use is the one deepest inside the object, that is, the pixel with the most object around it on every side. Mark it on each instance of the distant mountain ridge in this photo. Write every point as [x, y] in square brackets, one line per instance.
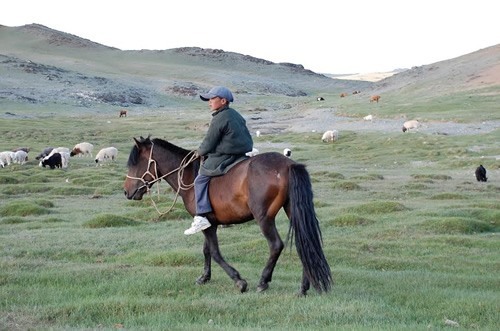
[39, 64]
[42, 65]
[59, 38]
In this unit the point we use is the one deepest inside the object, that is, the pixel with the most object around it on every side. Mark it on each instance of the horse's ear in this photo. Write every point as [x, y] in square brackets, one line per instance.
[136, 142]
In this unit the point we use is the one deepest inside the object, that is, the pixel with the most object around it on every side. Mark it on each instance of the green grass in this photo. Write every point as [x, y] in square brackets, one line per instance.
[410, 235]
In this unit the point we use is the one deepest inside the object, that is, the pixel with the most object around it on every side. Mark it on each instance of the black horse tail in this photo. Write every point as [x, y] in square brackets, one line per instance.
[304, 226]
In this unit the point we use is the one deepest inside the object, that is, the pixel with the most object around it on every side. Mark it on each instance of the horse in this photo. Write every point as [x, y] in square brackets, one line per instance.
[375, 98]
[255, 188]
[123, 113]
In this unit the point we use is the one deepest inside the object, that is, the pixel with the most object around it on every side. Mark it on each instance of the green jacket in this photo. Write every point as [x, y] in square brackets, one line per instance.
[226, 141]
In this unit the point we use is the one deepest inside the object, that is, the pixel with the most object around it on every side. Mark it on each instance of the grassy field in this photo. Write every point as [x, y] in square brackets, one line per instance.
[410, 235]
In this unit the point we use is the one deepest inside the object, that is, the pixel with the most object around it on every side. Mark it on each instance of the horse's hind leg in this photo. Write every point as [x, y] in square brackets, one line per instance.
[276, 245]
[212, 244]
[306, 284]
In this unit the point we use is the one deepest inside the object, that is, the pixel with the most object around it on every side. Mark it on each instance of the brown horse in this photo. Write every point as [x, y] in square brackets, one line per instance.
[375, 98]
[123, 113]
[256, 188]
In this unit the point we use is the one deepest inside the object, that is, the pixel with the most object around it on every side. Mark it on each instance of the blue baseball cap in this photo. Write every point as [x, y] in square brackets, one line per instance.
[217, 91]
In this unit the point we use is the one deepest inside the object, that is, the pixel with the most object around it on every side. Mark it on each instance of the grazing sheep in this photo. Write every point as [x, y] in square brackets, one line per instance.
[368, 118]
[287, 152]
[65, 155]
[26, 149]
[481, 174]
[320, 99]
[257, 133]
[253, 152]
[109, 153]
[20, 157]
[330, 136]
[46, 151]
[413, 124]
[84, 149]
[6, 157]
[53, 161]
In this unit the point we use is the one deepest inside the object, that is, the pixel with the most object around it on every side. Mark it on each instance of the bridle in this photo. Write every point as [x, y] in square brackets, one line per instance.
[190, 157]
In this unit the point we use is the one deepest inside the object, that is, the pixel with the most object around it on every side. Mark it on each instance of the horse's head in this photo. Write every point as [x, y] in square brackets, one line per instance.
[141, 169]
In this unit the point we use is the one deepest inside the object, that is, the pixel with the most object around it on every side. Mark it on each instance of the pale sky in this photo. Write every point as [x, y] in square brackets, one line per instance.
[326, 36]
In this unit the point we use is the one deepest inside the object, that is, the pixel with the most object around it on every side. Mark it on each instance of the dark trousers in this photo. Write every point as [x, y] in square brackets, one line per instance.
[203, 205]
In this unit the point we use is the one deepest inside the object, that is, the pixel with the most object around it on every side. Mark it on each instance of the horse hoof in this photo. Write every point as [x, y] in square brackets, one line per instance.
[242, 285]
[301, 294]
[262, 287]
[202, 280]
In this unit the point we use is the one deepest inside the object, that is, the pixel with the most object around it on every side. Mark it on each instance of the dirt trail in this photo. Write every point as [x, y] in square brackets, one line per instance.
[320, 120]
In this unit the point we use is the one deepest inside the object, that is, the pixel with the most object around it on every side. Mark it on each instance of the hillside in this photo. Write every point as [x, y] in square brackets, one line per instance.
[47, 71]
[474, 71]
[41, 65]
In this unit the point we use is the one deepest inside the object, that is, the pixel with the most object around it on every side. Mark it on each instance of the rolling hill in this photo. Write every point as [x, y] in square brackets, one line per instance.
[39, 64]
[44, 68]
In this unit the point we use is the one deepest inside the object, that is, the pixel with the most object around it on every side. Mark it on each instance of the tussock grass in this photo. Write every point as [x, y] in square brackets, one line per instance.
[13, 220]
[170, 259]
[8, 180]
[321, 175]
[378, 207]
[369, 177]
[349, 220]
[108, 220]
[457, 225]
[346, 186]
[23, 208]
[448, 196]
[431, 177]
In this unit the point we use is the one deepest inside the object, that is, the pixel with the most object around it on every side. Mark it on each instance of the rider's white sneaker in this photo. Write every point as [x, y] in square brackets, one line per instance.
[200, 223]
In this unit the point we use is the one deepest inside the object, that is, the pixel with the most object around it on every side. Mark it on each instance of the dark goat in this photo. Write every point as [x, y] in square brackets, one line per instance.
[54, 161]
[46, 151]
[481, 174]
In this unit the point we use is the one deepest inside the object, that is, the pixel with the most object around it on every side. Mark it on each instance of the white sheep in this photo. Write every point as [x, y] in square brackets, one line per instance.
[20, 157]
[257, 133]
[413, 124]
[253, 152]
[287, 152]
[368, 118]
[6, 157]
[330, 136]
[82, 149]
[109, 153]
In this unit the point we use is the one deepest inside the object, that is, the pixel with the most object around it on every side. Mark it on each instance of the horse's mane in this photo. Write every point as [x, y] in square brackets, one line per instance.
[134, 153]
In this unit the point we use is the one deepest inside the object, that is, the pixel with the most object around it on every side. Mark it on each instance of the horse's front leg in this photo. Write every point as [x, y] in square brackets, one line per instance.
[207, 269]
[212, 243]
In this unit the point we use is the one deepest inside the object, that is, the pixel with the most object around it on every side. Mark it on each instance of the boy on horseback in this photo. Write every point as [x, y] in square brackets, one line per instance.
[225, 143]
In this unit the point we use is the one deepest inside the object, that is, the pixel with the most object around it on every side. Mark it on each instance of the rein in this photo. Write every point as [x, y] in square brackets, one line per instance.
[190, 157]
